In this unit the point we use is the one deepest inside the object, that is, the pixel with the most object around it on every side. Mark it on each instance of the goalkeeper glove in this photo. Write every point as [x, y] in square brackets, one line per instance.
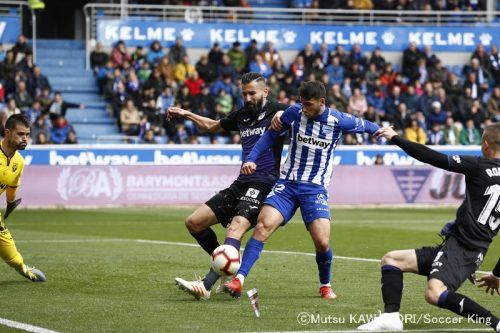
[10, 207]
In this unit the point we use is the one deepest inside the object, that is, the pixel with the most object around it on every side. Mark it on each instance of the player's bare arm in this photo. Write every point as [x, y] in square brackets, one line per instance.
[248, 168]
[276, 124]
[204, 124]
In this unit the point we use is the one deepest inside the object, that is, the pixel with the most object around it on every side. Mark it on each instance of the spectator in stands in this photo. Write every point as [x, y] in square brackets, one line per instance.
[206, 70]
[155, 53]
[11, 109]
[372, 74]
[481, 55]
[494, 62]
[411, 99]
[378, 59]
[430, 57]
[226, 68]
[298, 69]
[437, 115]
[155, 82]
[388, 75]
[335, 71]
[308, 55]
[71, 138]
[177, 52]
[477, 114]
[415, 133]
[149, 137]
[269, 54]
[184, 98]
[20, 48]
[438, 73]
[215, 55]
[237, 57]
[138, 57]
[451, 131]
[224, 83]
[356, 56]
[427, 98]
[103, 75]
[357, 103]
[41, 139]
[446, 102]
[37, 81]
[26, 64]
[119, 54]
[34, 111]
[183, 70]
[324, 54]
[60, 129]
[410, 61]
[8, 72]
[23, 97]
[130, 119]
[453, 87]
[391, 103]
[224, 101]
[154, 117]
[402, 117]
[98, 58]
[336, 99]
[476, 88]
[422, 74]
[59, 107]
[435, 135]
[144, 72]
[251, 50]
[494, 105]
[166, 69]
[470, 135]
[258, 65]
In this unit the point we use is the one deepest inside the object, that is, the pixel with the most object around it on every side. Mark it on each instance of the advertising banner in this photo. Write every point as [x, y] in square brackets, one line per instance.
[170, 185]
[9, 29]
[296, 36]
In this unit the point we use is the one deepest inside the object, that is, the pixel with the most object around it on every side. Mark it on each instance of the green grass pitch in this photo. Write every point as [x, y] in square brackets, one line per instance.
[102, 279]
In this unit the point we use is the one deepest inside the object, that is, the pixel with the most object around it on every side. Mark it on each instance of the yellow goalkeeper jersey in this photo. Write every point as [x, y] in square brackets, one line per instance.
[10, 171]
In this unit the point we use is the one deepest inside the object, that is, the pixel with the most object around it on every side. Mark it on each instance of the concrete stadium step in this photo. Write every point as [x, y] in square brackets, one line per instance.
[93, 121]
[95, 129]
[60, 43]
[69, 80]
[75, 89]
[85, 98]
[67, 63]
[87, 113]
[62, 71]
[60, 53]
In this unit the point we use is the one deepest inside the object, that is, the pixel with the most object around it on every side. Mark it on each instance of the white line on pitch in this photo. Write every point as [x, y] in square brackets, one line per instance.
[24, 327]
[146, 241]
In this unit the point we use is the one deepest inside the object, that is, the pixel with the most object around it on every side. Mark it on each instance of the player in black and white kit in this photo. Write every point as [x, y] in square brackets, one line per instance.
[237, 206]
[448, 265]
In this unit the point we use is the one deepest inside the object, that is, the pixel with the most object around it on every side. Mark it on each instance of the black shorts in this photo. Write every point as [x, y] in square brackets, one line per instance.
[450, 262]
[239, 199]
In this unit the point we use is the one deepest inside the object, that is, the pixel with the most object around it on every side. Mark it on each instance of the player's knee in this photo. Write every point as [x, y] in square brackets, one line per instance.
[322, 245]
[389, 259]
[193, 225]
[262, 231]
[237, 228]
[432, 295]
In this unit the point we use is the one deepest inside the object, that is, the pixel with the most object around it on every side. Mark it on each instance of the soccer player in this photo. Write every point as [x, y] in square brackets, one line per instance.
[315, 131]
[17, 132]
[448, 265]
[237, 206]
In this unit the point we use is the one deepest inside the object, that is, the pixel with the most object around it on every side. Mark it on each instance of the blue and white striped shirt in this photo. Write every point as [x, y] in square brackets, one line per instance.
[312, 143]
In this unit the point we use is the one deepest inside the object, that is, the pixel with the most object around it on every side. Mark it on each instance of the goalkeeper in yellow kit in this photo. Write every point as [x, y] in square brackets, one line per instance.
[17, 132]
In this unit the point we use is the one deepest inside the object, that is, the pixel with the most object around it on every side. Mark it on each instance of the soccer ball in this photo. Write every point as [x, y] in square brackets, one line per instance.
[226, 260]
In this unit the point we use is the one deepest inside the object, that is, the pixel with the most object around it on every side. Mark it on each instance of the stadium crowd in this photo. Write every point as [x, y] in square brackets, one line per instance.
[24, 89]
[422, 98]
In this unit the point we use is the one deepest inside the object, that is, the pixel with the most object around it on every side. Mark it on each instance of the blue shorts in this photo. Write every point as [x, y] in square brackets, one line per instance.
[287, 196]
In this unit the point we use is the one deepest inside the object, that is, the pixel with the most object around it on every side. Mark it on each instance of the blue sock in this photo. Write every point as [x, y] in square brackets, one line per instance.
[233, 242]
[250, 255]
[324, 261]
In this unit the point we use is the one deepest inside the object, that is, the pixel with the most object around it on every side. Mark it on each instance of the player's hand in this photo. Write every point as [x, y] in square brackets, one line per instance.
[248, 168]
[385, 132]
[175, 112]
[491, 282]
[447, 229]
[10, 207]
[276, 124]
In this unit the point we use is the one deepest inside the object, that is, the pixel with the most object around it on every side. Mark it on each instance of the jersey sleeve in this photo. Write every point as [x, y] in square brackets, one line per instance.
[463, 164]
[230, 123]
[290, 115]
[350, 124]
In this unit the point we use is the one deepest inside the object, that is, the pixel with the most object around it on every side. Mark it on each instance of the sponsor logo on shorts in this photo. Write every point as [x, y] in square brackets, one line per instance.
[321, 200]
[252, 193]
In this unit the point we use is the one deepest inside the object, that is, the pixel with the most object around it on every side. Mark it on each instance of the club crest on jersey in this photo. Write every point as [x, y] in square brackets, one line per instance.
[327, 129]
[456, 158]
[261, 116]
[14, 167]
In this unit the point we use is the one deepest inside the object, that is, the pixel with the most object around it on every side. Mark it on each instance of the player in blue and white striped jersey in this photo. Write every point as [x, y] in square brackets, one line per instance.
[304, 180]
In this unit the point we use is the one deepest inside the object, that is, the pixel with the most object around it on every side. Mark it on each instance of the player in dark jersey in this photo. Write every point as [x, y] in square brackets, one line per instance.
[237, 206]
[448, 265]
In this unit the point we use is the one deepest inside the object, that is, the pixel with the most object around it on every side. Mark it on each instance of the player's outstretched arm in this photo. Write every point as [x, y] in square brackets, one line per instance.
[415, 150]
[491, 281]
[204, 124]
[12, 202]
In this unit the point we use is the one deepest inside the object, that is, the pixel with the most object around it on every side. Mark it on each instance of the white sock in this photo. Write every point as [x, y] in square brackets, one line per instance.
[325, 284]
[241, 278]
[498, 327]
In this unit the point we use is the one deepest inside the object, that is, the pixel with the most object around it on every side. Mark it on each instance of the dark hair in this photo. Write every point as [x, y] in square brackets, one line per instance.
[252, 76]
[312, 90]
[15, 120]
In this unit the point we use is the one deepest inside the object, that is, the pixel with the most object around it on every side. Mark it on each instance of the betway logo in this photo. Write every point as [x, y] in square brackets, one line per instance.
[253, 131]
[90, 158]
[314, 142]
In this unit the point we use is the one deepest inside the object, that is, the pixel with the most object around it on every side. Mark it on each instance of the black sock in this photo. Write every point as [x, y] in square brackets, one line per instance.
[207, 240]
[464, 306]
[210, 279]
[392, 288]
